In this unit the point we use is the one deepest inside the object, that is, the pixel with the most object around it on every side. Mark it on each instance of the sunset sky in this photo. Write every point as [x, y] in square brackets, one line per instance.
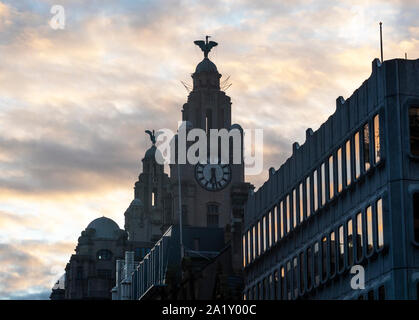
[74, 103]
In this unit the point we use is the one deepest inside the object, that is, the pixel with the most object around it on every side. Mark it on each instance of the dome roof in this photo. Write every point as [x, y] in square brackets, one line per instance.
[136, 202]
[206, 65]
[105, 228]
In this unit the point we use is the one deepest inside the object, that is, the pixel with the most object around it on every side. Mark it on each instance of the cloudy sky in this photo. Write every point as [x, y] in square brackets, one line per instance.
[74, 103]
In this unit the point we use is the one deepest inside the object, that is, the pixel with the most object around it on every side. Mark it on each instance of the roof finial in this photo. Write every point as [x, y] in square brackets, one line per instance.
[205, 45]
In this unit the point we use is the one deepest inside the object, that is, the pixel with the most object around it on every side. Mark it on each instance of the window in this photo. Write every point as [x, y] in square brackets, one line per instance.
[283, 287]
[301, 204]
[294, 208]
[270, 287]
[254, 242]
[331, 180]
[370, 236]
[276, 279]
[357, 156]
[260, 291]
[197, 242]
[212, 215]
[288, 214]
[79, 273]
[104, 274]
[381, 293]
[348, 162]
[281, 219]
[244, 250]
[370, 295]
[302, 271]
[265, 289]
[359, 237]
[380, 227]
[324, 258]
[264, 233]
[259, 240]
[340, 180]
[276, 223]
[316, 261]
[104, 254]
[416, 216]
[367, 160]
[341, 249]
[153, 198]
[377, 143]
[414, 130]
[308, 207]
[309, 277]
[350, 243]
[323, 182]
[289, 275]
[295, 277]
[332, 253]
[270, 229]
[315, 194]
[249, 248]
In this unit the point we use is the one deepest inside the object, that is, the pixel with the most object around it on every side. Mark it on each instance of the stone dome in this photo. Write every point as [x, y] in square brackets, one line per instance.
[136, 202]
[105, 228]
[206, 65]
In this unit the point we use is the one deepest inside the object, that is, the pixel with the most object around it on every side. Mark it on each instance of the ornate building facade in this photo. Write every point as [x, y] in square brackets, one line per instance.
[212, 200]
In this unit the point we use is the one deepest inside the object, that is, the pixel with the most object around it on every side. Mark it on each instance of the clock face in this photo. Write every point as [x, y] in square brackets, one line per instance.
[213, 177]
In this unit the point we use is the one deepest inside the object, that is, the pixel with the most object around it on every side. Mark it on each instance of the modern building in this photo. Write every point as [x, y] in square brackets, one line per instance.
[348, 196]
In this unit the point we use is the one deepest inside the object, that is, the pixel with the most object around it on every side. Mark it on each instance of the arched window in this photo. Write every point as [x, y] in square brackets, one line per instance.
[104, 254]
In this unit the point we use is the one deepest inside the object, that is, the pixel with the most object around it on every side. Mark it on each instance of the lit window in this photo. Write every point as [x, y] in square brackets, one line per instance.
[302, 271]
[244, 250]
[254, 242]
[357, 156]
[416, 217]
[377, 143]
[249, 257]
[281, 219]
[153, 198]
[324, 258]
[367, 160]
[288, 214]
[370, 236]
[348, 162]
[259, 240]
[332, 253]
[331, 179]
[380, 228]
[340, 180]
[270, 229]
[104, 254]
[350, 243]
[316, 261]
[264, 233]
[309, 270]
[295, 277]
[276, 223]
[294, 208]
[359, 236]
[323, 182]
[341, 249]
[283, 286]
[301, 203]
[308, 207]
[315, 194]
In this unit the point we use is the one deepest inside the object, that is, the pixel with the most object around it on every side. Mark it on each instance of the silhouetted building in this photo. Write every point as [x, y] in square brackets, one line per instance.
[348, 196]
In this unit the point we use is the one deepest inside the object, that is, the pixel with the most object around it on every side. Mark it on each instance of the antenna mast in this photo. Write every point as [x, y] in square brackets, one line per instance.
[381, 41]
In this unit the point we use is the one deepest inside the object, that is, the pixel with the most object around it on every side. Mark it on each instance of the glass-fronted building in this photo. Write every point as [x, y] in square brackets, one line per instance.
[348, 196]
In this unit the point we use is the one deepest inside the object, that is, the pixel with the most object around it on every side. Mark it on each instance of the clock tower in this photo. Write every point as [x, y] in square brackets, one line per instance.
[213, 194]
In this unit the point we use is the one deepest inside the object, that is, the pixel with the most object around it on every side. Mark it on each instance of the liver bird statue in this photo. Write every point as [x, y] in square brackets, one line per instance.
[205, 45]
[152, 136]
